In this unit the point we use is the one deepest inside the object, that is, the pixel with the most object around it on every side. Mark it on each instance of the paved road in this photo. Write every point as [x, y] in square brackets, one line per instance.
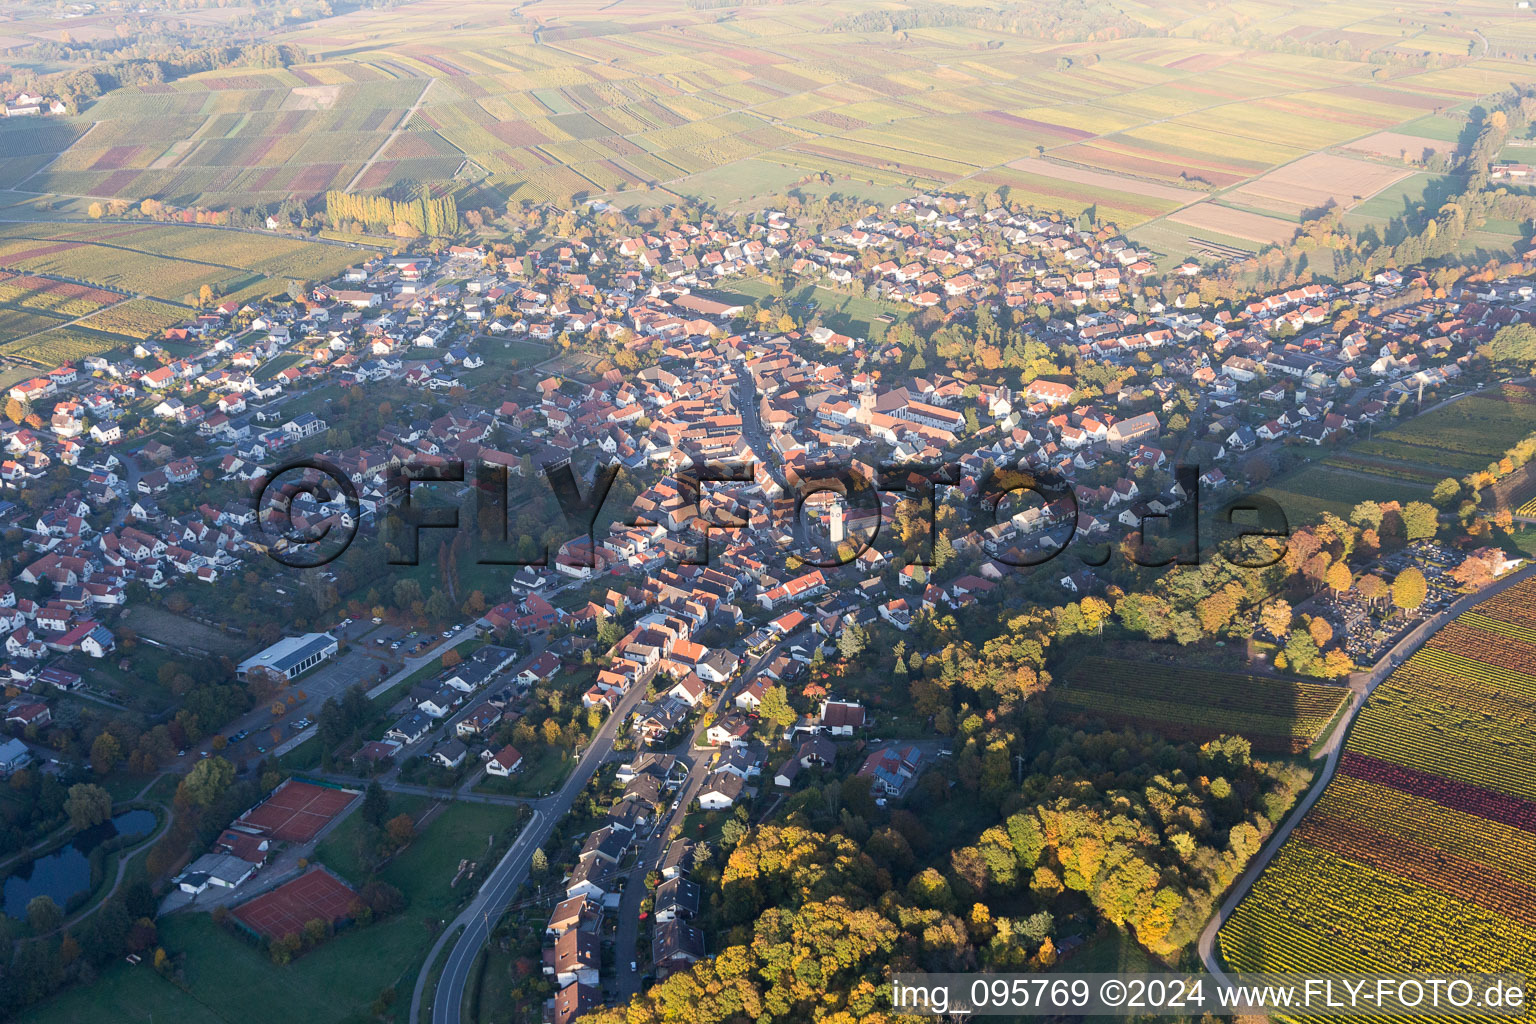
[410, 665]
[464, 791]
[1362, 685]
[504, 879]
[627, 940]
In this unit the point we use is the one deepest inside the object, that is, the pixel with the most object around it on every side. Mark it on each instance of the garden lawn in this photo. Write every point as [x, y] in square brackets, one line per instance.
[338, 850]
[544, 769]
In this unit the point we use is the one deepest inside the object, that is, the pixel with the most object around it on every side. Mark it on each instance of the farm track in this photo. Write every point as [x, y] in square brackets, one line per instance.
[399, 127]
[17, 187]
[139, 252]
[1334, 749]
[77, 320]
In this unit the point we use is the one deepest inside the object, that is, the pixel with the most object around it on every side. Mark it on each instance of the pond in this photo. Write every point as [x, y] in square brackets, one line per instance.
[67, 870]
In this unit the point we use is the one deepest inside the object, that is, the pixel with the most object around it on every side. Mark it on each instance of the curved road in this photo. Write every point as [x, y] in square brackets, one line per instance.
[486, 908]
[1363, 686]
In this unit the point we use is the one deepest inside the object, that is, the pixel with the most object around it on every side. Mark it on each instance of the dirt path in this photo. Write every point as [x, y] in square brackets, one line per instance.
[399, 127]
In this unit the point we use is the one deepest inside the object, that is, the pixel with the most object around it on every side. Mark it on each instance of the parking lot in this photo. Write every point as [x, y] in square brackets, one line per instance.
[361, 661]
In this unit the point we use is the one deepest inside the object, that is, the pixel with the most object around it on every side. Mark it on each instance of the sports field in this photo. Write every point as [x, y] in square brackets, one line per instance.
[296, 811]
[226, 979]
[315, 895]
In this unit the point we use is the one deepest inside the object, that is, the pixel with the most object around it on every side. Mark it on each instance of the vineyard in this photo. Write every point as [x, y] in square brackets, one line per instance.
[1186, 703]
[170, 262]
[1421, 854]
[685, 100]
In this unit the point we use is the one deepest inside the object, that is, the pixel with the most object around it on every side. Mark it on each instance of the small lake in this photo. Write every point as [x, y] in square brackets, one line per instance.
[67, 870]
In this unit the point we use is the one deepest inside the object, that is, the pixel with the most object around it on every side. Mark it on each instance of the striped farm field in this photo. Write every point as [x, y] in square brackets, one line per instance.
[1186, 703]
[1420, 857]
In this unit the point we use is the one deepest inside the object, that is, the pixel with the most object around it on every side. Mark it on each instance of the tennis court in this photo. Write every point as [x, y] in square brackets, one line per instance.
[287, 909]
[297, 811]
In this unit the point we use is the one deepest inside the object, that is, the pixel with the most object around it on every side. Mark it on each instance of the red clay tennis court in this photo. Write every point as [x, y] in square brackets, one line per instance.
[288, 908]
[297, 811]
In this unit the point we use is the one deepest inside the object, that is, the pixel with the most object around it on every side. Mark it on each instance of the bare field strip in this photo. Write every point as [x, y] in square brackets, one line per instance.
[1098, 179]
[1397, 145]
[1319, 180]
[1208, 216]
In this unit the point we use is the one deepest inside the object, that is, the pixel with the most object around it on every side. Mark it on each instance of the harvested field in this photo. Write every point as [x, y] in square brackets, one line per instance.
[1317, 181]
[1400, 146]
[1097, 179]
[181, 633]
[1208, 216]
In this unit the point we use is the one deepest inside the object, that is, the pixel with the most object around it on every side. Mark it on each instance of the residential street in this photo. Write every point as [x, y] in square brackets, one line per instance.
[480, 916]
[627, 941]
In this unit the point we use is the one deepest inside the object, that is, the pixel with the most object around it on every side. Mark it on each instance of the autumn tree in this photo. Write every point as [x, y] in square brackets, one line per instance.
[1409, 589]
[1276, 617]
[207, 781]
[106, 752]
[401, 830]
[1339, 579]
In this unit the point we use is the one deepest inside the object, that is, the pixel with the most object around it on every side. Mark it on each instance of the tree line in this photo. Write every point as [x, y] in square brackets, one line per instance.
[422, 215]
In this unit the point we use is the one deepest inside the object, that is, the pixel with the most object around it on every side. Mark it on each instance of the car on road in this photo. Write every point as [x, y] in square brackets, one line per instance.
[633, 966]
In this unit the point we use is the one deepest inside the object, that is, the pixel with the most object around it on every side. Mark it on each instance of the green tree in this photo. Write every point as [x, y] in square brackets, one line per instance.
[43, 914]
[206, 782]
[1514, 344]
[1446, 492]
[1420, 520]
[1300, 650]
[775, 707]
[87, 805]
[375, 808]
[852, 641]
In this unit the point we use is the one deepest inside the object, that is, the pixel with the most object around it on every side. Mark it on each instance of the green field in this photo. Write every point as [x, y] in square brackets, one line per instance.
[229, 981]
[1316, 488]
[1404, 462]
[1182, 702]
[853, 315]
[1456, 439]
